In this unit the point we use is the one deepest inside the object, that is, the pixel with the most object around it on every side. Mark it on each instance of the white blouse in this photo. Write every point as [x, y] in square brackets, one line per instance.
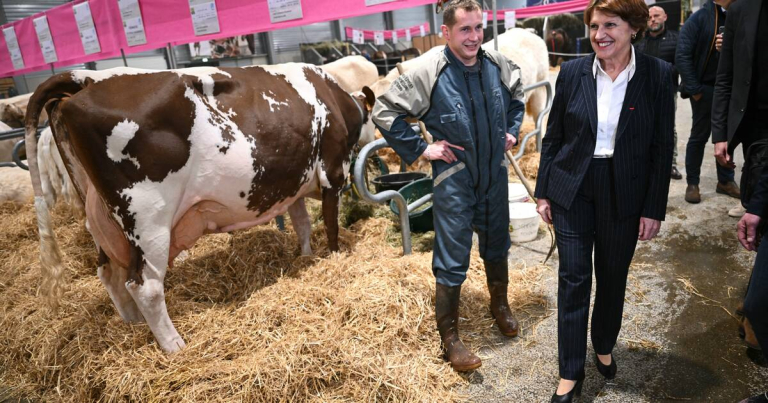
[610, 98]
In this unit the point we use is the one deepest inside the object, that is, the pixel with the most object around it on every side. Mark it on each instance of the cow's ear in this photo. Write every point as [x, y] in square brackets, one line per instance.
[370, 98]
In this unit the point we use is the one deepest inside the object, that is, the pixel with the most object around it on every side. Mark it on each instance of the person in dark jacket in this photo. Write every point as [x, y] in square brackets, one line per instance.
[740, 116]
[471, 101]
[662, 43]
[603, 179]
[696, 59]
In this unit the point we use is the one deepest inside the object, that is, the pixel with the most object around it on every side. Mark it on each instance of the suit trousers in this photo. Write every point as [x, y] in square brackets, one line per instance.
[701, 131]
[591, 224]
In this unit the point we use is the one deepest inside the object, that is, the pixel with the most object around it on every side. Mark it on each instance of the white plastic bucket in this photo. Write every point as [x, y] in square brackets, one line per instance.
[517, 193]
[523, 222]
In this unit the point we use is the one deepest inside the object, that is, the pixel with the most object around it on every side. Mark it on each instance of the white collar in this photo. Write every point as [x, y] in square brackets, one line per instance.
[631, 67]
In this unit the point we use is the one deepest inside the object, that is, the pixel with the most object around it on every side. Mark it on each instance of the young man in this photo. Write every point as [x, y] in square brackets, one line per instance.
[661, 43]
[696, 59]
[471, 101]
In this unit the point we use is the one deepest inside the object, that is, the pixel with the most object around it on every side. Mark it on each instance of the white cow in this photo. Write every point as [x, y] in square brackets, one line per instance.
[54, 178]
[16, 186]
[12, 110]
[529, 52]
[352, 73]
[6, 146]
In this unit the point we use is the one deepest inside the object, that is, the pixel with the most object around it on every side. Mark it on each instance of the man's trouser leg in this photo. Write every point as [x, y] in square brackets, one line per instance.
[452, 213]
[701, 130]
[491, 222]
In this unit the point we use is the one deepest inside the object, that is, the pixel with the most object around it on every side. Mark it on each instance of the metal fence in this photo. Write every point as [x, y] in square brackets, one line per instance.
[12, 134]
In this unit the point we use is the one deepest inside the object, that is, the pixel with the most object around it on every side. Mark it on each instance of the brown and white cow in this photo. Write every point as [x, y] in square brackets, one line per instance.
[163, 157]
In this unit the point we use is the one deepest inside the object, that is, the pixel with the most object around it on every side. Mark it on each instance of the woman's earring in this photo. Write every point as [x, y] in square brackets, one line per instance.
[634, 36]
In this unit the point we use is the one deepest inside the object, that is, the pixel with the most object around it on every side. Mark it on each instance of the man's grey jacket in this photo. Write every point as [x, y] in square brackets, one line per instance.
[438, 94]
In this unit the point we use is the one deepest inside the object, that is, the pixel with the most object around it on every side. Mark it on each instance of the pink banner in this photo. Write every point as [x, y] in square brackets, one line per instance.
[168, 21]
[368, 33]
[539, 11]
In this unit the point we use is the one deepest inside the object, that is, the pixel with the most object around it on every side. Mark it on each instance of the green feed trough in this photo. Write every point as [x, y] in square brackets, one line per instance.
[421, 219]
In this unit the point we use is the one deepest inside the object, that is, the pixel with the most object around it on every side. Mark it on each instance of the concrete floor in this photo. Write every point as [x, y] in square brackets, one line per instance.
[678, 341]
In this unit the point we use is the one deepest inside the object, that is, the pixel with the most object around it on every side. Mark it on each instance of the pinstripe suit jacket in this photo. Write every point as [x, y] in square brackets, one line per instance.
[642, 158]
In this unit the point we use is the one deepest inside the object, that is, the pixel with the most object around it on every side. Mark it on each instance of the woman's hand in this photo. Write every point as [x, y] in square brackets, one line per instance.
[648, 228]
[543, 208]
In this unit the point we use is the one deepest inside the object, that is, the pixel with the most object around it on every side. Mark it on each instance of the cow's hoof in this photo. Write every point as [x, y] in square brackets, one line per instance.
[173, 346]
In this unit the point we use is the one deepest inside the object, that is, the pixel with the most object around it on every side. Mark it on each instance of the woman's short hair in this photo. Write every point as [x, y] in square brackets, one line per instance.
[634, 12]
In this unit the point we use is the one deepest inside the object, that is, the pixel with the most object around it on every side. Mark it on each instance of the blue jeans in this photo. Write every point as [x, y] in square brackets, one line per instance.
[701, 129]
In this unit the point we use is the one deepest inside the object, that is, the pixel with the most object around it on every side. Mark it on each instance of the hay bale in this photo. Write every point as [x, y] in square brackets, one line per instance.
[261, 322]
[529, 164]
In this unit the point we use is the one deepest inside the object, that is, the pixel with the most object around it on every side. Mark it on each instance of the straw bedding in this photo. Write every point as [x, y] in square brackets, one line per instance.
[261, 322]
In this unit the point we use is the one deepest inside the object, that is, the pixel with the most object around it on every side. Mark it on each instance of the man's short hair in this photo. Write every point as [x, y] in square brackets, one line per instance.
[449, 13]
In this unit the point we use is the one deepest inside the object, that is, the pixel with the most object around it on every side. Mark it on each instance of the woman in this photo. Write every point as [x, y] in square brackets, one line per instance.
[604, 178]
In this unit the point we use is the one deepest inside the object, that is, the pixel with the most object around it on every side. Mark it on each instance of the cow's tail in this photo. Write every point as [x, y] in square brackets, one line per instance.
[52, 269]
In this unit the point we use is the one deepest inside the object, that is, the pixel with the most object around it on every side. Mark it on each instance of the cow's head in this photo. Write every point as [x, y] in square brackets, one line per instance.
[365, 99]
[12, 115]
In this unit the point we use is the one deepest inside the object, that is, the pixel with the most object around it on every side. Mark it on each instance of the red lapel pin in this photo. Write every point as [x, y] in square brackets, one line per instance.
[631, 108]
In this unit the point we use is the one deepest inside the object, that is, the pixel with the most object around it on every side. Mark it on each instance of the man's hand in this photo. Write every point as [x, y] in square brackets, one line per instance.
[542, 207]
[696, 97]
[722, 156]
[511, 141]
[648, 229]
[441, 150]
[719, 42]
[747, 229]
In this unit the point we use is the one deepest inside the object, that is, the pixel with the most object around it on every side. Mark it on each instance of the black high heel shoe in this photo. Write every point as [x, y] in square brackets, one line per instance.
[568, 397]
[608, 371]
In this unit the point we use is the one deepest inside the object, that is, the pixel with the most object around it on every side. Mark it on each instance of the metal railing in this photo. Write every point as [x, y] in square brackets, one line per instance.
[12, 134]
[387, 195]
[537, 131]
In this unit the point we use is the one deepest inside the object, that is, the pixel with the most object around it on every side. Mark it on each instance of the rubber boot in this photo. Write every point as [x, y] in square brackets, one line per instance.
[447, 315]
[497, 274]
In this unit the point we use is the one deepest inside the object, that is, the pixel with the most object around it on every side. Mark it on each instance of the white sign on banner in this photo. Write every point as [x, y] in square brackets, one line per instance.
[394, 36]
[358, 36]
[509, 19]
[284, 10]
[132, 24]
[408, 34]
[422, 31]
[378, 38]
[87, 29]
[13, 47]
[46, 40]
[369, 3]
[205, 18]
[485, 20]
